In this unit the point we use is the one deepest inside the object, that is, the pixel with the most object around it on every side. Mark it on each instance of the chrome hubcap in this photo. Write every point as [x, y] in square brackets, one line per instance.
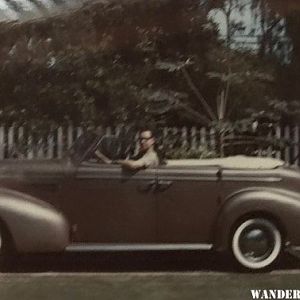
[256, 243]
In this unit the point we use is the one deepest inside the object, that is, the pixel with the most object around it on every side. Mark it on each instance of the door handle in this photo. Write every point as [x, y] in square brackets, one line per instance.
[147, 186]
[163, 185]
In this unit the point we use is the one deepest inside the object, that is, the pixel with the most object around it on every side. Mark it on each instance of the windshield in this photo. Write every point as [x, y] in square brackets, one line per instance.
[113, 147]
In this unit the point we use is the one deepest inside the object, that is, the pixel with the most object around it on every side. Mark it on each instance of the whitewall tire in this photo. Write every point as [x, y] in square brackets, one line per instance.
[256, 243]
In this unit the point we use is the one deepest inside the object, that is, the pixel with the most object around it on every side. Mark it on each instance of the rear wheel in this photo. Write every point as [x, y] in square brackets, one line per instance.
[256, 243]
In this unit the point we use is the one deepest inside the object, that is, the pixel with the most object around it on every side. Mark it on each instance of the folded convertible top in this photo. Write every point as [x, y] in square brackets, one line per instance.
[232, 162]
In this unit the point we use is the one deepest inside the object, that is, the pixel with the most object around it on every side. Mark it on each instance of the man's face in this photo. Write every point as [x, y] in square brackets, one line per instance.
[146, 140]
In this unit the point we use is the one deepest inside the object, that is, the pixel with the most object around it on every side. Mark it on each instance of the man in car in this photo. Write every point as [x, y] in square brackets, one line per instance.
[147, 156]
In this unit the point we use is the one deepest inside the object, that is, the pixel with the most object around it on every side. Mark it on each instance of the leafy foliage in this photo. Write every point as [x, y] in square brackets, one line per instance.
[151, 63]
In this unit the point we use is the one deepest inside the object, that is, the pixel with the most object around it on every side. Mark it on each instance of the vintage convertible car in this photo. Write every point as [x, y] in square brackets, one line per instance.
[247, 206]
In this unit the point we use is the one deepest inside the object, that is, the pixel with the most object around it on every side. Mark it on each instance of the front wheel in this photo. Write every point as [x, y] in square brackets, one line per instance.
[256, 243]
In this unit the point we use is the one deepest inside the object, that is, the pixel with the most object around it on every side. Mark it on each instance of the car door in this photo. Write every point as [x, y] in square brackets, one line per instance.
[187, 203]
[106, 204]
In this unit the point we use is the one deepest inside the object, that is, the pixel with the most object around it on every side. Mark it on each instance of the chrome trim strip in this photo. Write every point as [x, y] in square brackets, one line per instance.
[114, 177]
[177, 178]
[256, 179]
[295, 248]
[85, 247]
[188, 178]
[184, 178]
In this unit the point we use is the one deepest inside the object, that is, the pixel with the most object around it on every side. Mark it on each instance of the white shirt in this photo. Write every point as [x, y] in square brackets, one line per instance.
[149, 159]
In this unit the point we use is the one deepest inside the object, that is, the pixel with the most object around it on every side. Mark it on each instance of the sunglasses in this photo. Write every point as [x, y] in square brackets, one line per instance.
[145, 139]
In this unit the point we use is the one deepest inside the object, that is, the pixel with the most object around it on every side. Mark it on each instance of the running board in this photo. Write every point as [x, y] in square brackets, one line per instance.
[86, 247]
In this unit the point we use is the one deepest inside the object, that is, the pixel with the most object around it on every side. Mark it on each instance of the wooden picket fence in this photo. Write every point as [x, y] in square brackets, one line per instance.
[27, 143]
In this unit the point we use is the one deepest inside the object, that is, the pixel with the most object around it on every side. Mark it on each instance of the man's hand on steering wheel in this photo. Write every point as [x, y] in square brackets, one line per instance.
[104, 158]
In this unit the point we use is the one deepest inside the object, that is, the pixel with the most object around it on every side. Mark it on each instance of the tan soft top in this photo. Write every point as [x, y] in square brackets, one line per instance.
[231, 162]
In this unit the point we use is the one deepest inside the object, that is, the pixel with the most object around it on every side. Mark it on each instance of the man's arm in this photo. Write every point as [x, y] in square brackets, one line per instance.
[144, 162]
[132, 164]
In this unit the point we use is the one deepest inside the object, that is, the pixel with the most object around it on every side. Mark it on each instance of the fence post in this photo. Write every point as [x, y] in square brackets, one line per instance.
[60, 142]
[100, 130]
[50, 144]
[30, 153]
[70, 136]
[118, 130]
[287, 148]
[175, 134]
[20, 141]
[278, 136]
[79, 132]
[10, 140]
[40, 147]
[296, 146]
[193, 138]
[184, 142]
[136, 143]
[202, 136]
[212, 138]
[108, 131]
[164, 137]
[2, 142]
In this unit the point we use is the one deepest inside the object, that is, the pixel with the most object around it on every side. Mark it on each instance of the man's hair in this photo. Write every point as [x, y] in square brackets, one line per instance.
[147, 129]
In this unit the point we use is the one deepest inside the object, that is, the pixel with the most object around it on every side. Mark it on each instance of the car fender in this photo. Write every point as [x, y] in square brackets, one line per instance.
[282, 206]
[34, 225]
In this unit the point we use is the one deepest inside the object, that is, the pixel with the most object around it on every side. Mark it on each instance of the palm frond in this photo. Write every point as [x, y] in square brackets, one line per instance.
[17, 7]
